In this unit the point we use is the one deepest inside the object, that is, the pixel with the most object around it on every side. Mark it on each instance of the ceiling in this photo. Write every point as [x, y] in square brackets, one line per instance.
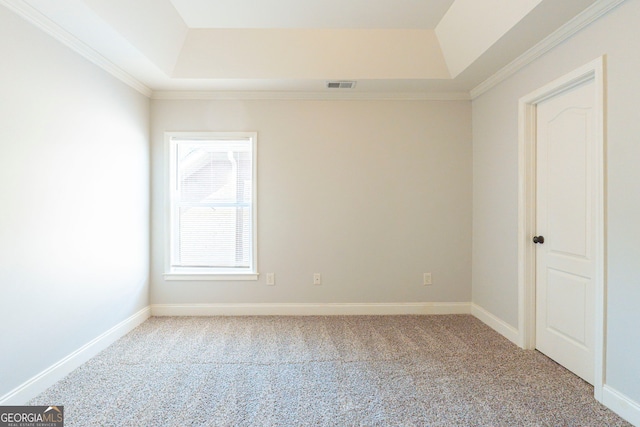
[293, 46]
[363, 14]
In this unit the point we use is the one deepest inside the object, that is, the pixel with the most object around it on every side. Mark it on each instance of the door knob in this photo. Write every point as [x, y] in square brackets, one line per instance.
[538, 239]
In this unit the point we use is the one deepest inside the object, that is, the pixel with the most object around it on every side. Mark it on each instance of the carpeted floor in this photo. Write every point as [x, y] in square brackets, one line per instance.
[322, 371]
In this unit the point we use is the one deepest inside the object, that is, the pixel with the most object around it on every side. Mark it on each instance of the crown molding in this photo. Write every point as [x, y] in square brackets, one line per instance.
[48, 26]
[591, 14]
[291, 95]
[580, 21]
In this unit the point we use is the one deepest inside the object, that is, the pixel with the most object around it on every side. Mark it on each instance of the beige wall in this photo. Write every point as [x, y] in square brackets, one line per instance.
[371, 194]
[74, 180]
[495, 175]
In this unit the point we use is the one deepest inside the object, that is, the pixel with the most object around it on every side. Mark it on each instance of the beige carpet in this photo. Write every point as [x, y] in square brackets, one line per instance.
[323, 371]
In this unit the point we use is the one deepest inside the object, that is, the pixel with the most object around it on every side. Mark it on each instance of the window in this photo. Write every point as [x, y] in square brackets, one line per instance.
[212, 206]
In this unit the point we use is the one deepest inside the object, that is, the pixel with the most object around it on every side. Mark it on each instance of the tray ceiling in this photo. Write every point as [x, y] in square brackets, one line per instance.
[399, 46]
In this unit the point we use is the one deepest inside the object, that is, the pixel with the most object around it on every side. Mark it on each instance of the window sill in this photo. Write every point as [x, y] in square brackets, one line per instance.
[210, 277]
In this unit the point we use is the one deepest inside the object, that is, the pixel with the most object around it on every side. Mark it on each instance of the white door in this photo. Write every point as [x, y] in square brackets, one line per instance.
[565, 215]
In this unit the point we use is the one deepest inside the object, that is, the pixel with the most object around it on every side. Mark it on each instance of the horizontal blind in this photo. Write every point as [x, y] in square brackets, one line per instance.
[212, 204]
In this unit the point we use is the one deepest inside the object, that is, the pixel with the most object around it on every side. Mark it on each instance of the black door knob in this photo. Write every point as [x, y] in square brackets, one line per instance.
[538, 239]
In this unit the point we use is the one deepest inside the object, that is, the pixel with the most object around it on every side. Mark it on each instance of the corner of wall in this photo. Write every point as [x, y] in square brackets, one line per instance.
[497, 324]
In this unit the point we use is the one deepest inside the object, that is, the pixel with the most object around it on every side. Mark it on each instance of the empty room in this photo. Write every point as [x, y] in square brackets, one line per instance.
[281, 213]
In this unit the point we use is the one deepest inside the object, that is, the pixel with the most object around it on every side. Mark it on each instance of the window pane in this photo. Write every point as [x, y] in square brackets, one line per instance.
[215, 172]
[214, 237]
[207, 175]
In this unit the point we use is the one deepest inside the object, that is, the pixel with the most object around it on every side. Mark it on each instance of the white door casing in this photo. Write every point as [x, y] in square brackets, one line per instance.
[588, 284]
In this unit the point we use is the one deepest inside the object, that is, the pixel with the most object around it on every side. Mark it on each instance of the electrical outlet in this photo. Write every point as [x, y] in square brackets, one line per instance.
[426, 279]
[317, 279]
[271, 279]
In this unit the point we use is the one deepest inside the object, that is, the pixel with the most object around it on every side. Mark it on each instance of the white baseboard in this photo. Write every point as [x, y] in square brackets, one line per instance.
[497, 324]
[59, 370]
[309, 309]
[621, 405]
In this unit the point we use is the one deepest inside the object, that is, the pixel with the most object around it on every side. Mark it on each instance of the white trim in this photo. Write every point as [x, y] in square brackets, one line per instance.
[290, 95]
[526, 210]
[310, 309]
[589, 15]
[45, 379]
[526, 224]
[621, 405]
[497, 324]
[169, 277]
[182, 273]
[48, 26]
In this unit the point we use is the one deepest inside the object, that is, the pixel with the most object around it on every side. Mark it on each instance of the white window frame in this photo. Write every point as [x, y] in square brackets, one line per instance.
[186, 273]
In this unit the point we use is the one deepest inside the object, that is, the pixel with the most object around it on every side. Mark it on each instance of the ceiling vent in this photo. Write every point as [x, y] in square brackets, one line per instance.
[341, 84]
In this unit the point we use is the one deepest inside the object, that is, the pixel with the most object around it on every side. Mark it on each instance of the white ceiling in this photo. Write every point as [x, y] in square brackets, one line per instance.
[365, 14]
[408, 47]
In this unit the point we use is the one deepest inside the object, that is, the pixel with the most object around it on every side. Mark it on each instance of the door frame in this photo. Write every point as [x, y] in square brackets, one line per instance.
[593, 71]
